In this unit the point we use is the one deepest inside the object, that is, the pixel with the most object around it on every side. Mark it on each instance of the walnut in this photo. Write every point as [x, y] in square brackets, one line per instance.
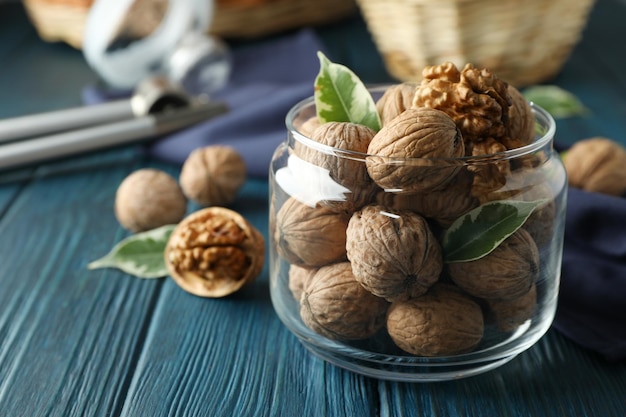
[336, 306]
[442, 322]
[505, 273]
[489, 173]
[597, 164]
[310, 236]
[212, 175]
[213, 252]
[520, 126]
[308, 126]
[347, 169]
[299, 277]
[475, 98]
[149, 198]
[444, 206]
[394, 255]
[410, 152]
[510, 314]
[396, 99]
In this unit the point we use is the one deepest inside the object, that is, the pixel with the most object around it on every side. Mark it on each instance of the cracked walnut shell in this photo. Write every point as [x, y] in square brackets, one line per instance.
[505, 273]
[394, 255]
[335, 305]
[214, 252]
[442, 322]
[410, 153]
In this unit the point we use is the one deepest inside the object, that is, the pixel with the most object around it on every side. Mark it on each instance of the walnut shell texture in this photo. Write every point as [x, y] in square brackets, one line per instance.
[394, 255]
[442, 322]
[510, 314]
[597, 164]
[335, 305]
[212, 175]
[396, 99]
[310, 236]
[149, 198]
[346, 169]
[299, 277]
[505, 273]
[408, 153]
[214, 252]
[443, 206]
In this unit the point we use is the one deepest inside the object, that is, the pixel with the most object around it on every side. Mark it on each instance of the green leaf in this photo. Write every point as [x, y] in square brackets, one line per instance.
[480, 231]
[556, 101]
[140, 255]
[340, 96]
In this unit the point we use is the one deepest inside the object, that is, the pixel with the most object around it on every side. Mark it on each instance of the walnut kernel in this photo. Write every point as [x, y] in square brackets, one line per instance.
[214, 252]
[149, 198]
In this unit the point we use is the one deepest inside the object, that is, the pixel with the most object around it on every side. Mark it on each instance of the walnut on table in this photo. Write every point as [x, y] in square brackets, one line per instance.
[214, 252]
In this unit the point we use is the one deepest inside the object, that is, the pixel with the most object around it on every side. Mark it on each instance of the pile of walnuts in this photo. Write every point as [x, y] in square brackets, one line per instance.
[371, 264]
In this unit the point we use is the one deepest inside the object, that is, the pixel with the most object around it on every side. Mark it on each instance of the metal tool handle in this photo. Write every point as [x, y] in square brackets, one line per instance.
[68, 119]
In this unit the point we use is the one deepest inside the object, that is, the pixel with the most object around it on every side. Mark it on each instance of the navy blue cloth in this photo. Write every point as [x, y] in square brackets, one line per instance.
[268, 79]
[592, 299]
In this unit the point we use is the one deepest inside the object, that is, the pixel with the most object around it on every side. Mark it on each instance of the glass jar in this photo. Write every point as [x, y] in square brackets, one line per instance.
[361, 270]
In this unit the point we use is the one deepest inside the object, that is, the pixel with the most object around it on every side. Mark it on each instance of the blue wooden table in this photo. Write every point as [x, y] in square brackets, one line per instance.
[75, 342]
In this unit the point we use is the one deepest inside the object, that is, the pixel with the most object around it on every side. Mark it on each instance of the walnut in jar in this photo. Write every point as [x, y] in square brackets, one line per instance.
[412, 152]
[442, 322]
[336, 306]
[393, 255]
[214, 252]
[505, 273]
[345, 168]
[310, 236]
[396, 99]
[299, 277]
[510, 314]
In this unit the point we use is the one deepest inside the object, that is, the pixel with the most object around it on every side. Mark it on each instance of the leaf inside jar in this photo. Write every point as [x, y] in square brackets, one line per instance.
[340, 96]
[480, 231]
[140, 255]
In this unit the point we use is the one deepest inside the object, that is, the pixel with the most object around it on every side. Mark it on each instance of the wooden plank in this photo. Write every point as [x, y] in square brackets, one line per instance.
[68, 336]
[554, 379]
[232, 356]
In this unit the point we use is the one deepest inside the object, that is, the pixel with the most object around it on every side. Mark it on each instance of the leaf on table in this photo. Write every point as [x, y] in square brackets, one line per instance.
[340, 96]
[480, 231]
[558, 102]
[140, 255]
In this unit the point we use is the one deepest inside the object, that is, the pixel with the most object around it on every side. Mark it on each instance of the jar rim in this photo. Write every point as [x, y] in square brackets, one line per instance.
[542, 139]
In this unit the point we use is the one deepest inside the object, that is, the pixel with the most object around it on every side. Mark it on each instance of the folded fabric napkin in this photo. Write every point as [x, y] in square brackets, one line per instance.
[592, 299]
[269, 78]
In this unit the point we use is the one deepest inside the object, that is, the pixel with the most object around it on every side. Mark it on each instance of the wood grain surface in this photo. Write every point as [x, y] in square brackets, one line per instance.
[75, 342]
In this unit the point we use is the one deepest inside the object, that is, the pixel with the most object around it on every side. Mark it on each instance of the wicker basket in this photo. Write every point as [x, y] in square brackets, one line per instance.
[64, 20]
[523, 42]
